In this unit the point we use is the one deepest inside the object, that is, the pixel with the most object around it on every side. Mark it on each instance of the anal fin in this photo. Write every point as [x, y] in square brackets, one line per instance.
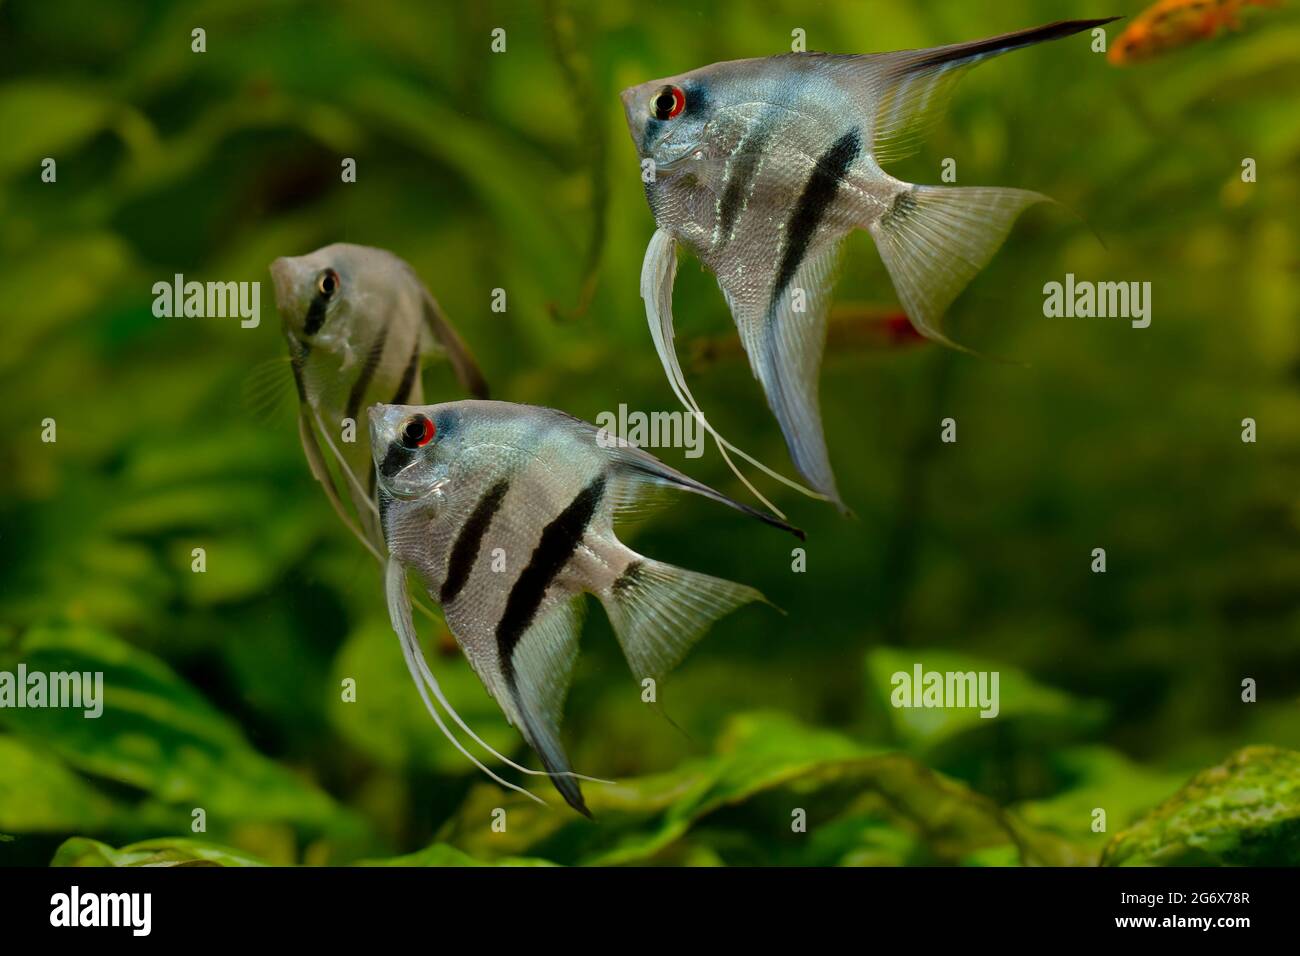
[658, 273]
[784, 342]
[538, 675]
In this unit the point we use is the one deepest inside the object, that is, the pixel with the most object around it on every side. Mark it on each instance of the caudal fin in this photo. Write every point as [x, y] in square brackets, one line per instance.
[934, 239]
[660, 611]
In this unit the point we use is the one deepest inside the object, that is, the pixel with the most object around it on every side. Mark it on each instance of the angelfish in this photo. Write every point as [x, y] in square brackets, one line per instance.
[763, 166]
[359, 324]
[505, 513]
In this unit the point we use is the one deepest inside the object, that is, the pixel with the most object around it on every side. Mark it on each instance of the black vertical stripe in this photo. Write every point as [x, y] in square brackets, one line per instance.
[818, 194]
[396, 458]
[559, 540]
[408, 376]
[630, 577]
[315, 315]
[744, 168]
[362, 383]
[298, 352]
[385, 502]
[648, 136]
[465, 551]
[697, 100]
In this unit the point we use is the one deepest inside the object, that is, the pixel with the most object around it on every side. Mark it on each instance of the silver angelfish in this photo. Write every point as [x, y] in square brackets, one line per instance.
[359, 323]
[763, 166]
[506, 512]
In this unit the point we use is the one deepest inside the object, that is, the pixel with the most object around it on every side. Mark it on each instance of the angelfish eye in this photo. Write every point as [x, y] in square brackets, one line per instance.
[327, 283]
[668, 102]
[418, 432]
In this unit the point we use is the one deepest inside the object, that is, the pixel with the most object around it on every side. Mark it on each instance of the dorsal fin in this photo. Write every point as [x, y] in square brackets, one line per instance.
[907, 92]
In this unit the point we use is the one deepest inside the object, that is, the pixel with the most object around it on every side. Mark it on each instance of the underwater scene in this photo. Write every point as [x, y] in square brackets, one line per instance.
[579, 433]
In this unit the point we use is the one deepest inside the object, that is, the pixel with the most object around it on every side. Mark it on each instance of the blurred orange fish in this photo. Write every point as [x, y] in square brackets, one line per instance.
[1170, 24]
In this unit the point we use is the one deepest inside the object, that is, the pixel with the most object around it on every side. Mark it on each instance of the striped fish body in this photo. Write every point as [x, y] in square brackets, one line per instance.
[729, 190]
[508, 478]
[762, 167]
[359, 324]
[506, 515]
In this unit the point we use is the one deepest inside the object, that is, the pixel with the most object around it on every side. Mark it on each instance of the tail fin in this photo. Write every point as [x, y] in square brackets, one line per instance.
[935, 239]
[660, 611]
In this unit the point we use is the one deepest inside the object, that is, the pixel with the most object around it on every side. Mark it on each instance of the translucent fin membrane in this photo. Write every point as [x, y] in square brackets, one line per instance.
[936, 238]
[399, 613]
[321, 472]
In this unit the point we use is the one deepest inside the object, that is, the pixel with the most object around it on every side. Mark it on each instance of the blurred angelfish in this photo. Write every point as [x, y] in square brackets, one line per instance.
[764, 166]
[359, 323]
[506, 512]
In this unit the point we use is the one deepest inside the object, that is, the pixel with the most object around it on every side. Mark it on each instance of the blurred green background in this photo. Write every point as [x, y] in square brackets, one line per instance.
[515, 171]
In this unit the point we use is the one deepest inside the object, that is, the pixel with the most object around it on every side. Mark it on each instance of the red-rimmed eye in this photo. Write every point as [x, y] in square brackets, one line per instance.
[418, 432]
[668, 102]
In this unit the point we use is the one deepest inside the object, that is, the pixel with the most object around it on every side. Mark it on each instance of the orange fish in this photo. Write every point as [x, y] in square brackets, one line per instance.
[1169, 24]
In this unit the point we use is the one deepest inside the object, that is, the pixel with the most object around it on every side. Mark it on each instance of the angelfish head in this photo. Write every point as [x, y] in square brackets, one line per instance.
[412, 447]
[329, 297]
[668, 118]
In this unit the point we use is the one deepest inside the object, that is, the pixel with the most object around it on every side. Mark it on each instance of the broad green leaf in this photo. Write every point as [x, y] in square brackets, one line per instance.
[168, 851]
[1032, 709]
[1099, 778]
[765, 765]
[440, 854]
[39, 794]
[1243, 812]
[157, 734]
[58, 281]
[54, 119]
